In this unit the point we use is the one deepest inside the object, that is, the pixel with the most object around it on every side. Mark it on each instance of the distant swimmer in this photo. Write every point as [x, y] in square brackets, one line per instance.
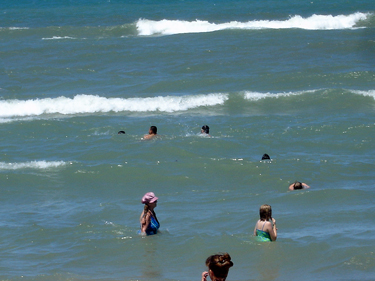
[265, 228]
[121, 133]
[298, 185]
[149, 221]
[152, 132]
[218, 267]
[205, 130]
[266, 157]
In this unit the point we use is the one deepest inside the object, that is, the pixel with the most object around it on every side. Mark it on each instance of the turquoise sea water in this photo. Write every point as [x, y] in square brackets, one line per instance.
[294, 79]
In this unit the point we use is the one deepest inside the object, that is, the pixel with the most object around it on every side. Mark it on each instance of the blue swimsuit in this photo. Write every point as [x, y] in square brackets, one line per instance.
[152, 227]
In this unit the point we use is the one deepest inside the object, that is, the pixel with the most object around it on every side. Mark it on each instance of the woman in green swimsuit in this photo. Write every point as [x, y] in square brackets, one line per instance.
[264, 229]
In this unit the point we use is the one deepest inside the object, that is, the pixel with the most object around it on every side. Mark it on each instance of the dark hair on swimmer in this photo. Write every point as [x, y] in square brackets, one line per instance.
[298, 185]
[219, 264]
[121, 132]
[154, 130]
[266, 157]
[206, 129]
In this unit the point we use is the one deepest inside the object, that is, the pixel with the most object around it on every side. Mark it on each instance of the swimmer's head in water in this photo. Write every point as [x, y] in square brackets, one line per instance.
[153, 130]
[205, 129]
[121, 132]
[298, 185]
[266, 157]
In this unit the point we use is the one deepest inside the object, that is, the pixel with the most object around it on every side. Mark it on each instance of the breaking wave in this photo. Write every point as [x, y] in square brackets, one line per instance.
[147, 27]
[40, 165]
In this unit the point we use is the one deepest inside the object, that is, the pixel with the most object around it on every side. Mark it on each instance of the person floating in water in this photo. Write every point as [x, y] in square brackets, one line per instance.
[298, 185]
[121, 133]
[149, 221]
[205, 130]
[218, 267]
[266, 157]
[152, 132]
[264, 229]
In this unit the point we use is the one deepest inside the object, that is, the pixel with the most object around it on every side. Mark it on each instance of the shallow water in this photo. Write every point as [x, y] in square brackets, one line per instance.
[295, 80]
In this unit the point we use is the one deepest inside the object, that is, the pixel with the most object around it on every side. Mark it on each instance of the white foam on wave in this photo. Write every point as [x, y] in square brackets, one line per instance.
[59, 38]
[315, 22]
[8, 120]
[18, 28]
[254, 96]
[14, 28]
[32, 165]
[93, 104]
[370, 93]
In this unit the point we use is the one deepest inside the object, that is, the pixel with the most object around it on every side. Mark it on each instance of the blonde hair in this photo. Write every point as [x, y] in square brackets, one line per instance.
[146, 209]
[265, 212]
[219, 264]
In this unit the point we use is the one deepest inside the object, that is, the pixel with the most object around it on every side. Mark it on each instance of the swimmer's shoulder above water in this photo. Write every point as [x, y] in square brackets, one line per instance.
[298, 185]
[152, 132]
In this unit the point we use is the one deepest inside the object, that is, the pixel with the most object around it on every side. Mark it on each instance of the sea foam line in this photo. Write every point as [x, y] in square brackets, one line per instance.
[147, 27]
[92, 104]
[14, 28]
[31, 165]
[370, 93]
[59, 38]
[255, 96]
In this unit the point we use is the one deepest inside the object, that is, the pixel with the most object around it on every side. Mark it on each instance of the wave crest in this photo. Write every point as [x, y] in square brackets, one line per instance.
[370, 93]
[315, 22]
[92, 104]
[15, 110]
[31, 165]
[254, 96]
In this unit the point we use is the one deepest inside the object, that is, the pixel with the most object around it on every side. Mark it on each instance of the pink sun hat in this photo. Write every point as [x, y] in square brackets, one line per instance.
[149, 197]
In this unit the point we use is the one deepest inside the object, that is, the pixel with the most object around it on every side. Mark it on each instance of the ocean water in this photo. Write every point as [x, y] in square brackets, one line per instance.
[294, 79]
